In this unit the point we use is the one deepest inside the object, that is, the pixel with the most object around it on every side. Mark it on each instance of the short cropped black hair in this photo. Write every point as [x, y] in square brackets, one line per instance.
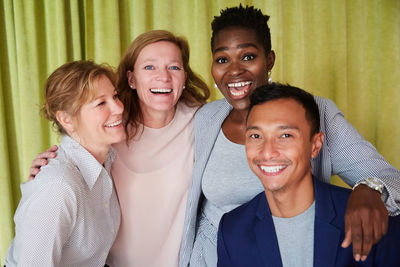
[277, 91]
[246, 17]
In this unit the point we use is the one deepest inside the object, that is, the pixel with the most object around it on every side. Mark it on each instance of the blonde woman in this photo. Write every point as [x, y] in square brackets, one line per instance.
[69, 214]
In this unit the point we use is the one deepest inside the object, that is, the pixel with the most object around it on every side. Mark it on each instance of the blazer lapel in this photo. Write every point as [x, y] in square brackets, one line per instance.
[326, 234]
[266, 239]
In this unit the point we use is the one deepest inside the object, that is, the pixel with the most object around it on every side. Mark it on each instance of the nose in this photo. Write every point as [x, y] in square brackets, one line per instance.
[235, 68]
[269, 150]
[163, 75]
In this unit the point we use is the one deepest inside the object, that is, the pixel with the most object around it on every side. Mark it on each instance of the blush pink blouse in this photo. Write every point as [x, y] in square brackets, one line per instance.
[152, 177]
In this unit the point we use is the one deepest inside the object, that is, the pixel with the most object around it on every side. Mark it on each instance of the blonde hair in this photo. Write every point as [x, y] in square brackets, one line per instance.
[69, 87]
[196, 90]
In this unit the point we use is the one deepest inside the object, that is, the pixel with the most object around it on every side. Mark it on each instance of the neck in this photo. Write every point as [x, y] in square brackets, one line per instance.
[157, 119]
[99, 153]
[238, 116]
[291, 201]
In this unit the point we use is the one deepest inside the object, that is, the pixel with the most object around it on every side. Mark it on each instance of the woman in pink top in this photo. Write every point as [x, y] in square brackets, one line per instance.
[152, 169]
[153, 166]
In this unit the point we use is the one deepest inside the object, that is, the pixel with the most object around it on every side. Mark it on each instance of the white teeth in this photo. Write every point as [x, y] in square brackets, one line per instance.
[272, 168]
[114, 124]
[238, 93]
[239, 84]
[160, 90]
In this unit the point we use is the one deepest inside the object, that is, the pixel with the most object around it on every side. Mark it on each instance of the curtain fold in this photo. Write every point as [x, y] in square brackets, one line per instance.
[348, 51]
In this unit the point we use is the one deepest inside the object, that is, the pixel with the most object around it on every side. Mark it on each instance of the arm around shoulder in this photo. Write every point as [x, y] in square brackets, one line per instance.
[355, 159]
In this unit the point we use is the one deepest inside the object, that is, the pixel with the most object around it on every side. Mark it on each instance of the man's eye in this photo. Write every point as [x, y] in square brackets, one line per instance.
[249, 57]
[149, 67]
[255, 136]
[286, 135]
[221, 60]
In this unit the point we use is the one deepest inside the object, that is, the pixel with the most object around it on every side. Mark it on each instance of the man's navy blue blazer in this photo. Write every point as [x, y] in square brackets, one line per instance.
[246, 235]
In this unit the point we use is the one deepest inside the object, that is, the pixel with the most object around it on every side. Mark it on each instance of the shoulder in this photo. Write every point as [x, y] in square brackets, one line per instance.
[244, 214]
[334, 190]
[329, 195]
[212, 108]
[184, 108]
[326, 106]
[52, 192]
[58, 173]
[337, 190]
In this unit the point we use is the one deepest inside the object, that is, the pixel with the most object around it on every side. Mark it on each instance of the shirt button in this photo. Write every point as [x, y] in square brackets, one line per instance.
[112, 230]
[106, 205]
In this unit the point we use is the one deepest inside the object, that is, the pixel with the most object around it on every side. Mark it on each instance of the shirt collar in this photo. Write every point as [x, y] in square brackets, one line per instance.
[87, 164]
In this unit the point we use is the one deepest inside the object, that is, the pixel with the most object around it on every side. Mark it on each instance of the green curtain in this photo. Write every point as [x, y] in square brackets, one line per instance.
[348, 51]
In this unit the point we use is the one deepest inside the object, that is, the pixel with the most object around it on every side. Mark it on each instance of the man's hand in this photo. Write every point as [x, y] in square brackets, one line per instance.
[41, 160]
[366, 221]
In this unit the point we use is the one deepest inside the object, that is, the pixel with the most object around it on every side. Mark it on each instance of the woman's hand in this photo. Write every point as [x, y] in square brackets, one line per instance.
[41, 160]
[366, 221]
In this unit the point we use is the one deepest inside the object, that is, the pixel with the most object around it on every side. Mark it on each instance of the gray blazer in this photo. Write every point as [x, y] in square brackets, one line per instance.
[344, 152]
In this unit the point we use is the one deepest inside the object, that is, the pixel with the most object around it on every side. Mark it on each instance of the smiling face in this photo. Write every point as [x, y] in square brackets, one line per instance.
[99, 121]
[239, 64]
[279, 146]
[158, 77]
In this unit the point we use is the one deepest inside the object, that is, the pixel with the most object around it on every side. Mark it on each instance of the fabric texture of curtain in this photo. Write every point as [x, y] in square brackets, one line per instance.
[348, 51]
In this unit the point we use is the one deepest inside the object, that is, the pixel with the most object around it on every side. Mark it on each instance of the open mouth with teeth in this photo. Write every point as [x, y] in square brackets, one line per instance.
[239, 89]
[272, 170]
[160, 90]
[114, 124]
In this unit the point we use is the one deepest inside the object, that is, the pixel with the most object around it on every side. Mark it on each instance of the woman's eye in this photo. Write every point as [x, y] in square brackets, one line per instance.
[174, 68]
[249, 57]
[116, 96]
[221, 60]
[100, 103]
[149, 67]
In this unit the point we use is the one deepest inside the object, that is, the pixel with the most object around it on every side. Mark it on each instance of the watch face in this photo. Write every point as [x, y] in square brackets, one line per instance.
[375, 184]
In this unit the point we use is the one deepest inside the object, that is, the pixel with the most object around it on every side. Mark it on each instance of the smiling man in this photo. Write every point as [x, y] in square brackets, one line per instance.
[298, 220]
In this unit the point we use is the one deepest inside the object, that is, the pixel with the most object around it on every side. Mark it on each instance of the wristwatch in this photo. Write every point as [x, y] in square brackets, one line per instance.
[372, 183]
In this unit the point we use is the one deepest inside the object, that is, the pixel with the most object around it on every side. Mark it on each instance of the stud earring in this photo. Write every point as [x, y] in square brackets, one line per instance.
[269, 79]
[184, 87]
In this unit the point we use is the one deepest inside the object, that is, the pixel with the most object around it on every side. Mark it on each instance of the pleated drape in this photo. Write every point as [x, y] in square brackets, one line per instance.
[348, 51]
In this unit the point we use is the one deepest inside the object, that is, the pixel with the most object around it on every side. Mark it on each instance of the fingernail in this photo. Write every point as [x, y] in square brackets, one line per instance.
[363, 258]
[358, 257]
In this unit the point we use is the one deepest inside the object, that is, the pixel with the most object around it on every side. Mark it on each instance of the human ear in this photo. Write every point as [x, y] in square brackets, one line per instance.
[317, 141]
[65, 120]
[270, 60]
[131, 79]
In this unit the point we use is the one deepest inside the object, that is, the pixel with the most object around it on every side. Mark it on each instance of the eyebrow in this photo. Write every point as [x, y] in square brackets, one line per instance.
[100, 96]
[252, 128]
[153, 60]
[288, 127]
[241, 46]
[281, 127]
